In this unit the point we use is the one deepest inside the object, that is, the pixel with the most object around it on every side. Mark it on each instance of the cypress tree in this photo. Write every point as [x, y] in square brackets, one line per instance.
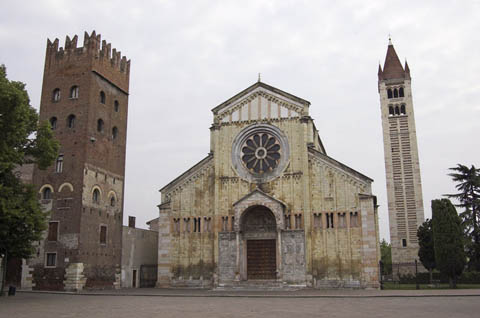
[448, 240]
[426, 252]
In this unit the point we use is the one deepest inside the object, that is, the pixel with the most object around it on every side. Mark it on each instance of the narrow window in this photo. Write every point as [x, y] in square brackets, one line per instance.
[404, 242]
[96, 196]
[402, 110]
[59, 164]
[194, 225]
[56, 95]
[232, 224]
[112, 201]
[400, 92]
[74, 92]
[116, 106]
[353, 219]
[102, 97]
[53, 123]
[114, 133]
[341, 220]
[51, 260]
[47, 193]
[287, 222]
[52, 231]
[390, 111]
[103, 234]
[71, 121]
[186, 221]
[298, 221]
[397, 110]
[330, 220]
[395, 93]
[199, 221]
[389, 93]
[100, 125]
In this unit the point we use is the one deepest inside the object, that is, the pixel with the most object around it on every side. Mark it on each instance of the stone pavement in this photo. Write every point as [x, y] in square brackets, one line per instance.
[241, 304]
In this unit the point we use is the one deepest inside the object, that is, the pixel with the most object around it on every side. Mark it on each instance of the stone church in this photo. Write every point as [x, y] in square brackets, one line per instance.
[268, 205]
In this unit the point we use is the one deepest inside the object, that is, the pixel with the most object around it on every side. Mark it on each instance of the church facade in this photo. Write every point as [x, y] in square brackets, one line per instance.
[268, 205]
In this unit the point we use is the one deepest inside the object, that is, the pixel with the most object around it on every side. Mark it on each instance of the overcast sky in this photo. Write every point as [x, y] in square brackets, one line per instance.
[189, 56]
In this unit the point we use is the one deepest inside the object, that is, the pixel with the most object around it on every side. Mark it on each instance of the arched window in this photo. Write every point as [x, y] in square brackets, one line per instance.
[116, 106]
[397, 110]
[74, 92]
[96, 196]
[71, 121]
[53, 123]
[389, 93]
[402, 110]
[56, 95]
[102, 97]
[100, 125]
[400, 92]
[390, 110]
[112, 201]
[47, 193]
[114, 133]
[395, 93]
[59, 164]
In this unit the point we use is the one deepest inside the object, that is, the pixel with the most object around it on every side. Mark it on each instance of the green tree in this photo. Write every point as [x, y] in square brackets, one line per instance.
[448, 240]
[23, 140]
[426, 252]
[468, 185]
[386, 257]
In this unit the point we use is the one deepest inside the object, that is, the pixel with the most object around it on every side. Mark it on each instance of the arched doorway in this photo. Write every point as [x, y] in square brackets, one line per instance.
[258, 228]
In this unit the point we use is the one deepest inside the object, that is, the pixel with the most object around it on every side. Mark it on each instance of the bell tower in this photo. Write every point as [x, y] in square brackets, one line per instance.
[404, 186]
[85, 100]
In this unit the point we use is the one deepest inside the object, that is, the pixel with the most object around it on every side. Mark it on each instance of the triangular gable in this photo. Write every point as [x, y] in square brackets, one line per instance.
[261, 193]
[260, 101]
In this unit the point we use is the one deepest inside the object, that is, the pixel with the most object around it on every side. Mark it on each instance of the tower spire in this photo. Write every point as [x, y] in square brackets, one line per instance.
[393, 67]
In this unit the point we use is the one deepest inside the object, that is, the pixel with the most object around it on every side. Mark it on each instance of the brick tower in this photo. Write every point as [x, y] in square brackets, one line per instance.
[85, 99]
[404, 186]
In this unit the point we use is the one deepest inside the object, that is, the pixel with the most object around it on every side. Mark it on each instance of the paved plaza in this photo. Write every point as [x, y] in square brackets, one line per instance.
[208, 304]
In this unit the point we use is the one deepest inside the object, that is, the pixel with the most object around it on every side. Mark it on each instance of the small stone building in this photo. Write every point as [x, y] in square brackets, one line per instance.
[268, 205]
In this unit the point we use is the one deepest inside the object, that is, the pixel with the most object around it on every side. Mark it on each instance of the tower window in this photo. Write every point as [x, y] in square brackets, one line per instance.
[51, 260]
[96, 196]
[116, 106]
[74, 92]
[390, 110]
[114, 133]
[103, 234]
[404, 242]
[402, 110]
[389, 93]
[112, 201]
[400, 92]
[71, 121]
[56, 95]
[395, 93]
[397, 110]
[53, 123]
[102, 97]
[100, 125]
[52, 231]
[47, 193]
[59, 164]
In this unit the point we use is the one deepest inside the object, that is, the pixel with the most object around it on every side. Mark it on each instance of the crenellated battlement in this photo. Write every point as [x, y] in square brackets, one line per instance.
[98, 54]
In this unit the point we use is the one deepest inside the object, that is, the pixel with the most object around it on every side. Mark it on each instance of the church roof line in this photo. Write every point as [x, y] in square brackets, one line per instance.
[340, 165]
[188, 173]
[255, 86]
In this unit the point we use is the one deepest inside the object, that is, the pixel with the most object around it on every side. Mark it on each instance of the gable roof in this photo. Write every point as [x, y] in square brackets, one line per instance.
[253, 87]
[257, 190]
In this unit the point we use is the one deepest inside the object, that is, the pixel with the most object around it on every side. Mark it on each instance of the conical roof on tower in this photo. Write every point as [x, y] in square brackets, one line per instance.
[393, 67]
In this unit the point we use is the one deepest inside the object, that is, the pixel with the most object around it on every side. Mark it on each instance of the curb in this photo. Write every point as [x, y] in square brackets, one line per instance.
[226, 295]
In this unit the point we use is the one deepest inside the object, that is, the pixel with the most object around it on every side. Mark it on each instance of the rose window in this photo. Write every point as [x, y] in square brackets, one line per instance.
[261, 153]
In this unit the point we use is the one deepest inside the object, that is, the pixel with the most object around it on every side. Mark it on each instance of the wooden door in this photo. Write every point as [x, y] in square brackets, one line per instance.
[261, 259]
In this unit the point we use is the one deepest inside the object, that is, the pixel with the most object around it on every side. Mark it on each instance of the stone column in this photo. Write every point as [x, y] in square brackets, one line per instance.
[27, 280]
[369, 242]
